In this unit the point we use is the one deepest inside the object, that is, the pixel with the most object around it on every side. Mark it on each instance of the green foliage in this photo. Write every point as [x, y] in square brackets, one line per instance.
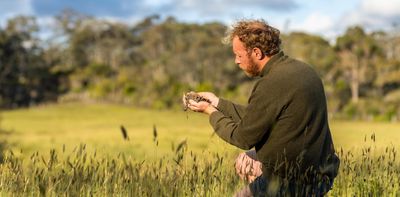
[350, 110]
[358, 55]
[204, 87]
[371, 109]
[152, 63]
[312, 49]
[25, 78]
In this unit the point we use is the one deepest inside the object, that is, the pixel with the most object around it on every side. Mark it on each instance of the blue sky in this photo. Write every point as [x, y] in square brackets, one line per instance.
[325, 18]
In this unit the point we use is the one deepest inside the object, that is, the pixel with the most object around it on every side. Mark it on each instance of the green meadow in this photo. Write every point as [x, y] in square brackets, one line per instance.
[98, 126]
[165, 147]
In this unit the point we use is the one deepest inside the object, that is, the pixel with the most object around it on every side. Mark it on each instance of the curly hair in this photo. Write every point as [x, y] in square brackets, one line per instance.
[255, 34]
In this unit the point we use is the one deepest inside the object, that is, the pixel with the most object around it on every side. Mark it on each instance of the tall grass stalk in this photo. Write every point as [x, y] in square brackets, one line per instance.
[368, 171]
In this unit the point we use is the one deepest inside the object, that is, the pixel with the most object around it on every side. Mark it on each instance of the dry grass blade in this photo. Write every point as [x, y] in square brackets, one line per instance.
[124, 133]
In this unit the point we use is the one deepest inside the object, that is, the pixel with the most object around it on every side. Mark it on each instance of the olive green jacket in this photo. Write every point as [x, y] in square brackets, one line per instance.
[285, 120]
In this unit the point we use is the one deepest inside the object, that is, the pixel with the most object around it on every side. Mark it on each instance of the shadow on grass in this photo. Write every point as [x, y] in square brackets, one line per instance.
[3, 142]
[2, 147]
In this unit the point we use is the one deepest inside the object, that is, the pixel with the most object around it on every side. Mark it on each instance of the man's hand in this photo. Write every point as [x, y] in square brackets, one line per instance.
[206, 105]
[201, 106]
[210, 96]
[247, 166]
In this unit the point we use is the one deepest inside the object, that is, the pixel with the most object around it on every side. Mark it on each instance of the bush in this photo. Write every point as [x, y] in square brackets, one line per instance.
[371, 109]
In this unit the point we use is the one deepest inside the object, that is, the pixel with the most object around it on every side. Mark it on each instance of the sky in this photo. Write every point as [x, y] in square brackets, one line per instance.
[327, 18]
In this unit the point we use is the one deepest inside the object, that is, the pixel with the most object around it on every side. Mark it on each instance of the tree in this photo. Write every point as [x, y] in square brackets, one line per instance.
[311, 49]
[182, 57]
[357, 52]
[388, 67]
[25, 79]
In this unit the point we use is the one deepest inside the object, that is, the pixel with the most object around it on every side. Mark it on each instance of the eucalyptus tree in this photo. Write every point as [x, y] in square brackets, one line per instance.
[358, 52]
[24, 76]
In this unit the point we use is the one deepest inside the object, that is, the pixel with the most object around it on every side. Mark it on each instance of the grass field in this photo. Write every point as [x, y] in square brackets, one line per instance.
[156, 135]
[98, 126]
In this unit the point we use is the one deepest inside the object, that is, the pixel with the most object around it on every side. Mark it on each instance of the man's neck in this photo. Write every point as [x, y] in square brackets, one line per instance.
[263, 62]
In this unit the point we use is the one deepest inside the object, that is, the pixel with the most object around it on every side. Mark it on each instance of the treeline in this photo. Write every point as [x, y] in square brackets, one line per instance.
[153, 62]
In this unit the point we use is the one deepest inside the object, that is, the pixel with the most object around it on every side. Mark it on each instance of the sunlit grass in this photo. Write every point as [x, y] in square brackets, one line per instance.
[98, 126]
[151, 160]
[352, 134]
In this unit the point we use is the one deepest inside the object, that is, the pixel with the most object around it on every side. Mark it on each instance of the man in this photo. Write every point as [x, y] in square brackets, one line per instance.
[285, 120]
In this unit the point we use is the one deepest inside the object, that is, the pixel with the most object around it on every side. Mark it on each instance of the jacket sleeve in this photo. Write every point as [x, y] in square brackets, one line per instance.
[257, 119]
[230, 109]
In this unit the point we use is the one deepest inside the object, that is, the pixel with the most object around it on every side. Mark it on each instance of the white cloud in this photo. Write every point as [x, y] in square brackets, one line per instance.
[221, 10]
[370, 14]
[47, 26]
[381, 7]
[46, 21]
[10, 9]
[155, 3]
[316, 23]
[374, 14]
[226, 4]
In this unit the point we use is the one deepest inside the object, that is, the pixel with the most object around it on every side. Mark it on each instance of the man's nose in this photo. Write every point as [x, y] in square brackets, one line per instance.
[237, 61]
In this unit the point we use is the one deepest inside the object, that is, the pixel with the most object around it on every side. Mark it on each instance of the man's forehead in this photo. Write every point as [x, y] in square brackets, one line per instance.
[237, 44]
[236, 39]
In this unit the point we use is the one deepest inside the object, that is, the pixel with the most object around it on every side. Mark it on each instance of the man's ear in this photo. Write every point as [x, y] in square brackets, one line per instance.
[258, 53]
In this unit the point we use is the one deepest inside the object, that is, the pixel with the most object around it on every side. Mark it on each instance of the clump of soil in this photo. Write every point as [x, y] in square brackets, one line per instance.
[193, 96]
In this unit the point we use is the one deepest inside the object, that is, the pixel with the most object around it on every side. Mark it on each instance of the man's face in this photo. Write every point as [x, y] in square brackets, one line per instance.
[244, 59]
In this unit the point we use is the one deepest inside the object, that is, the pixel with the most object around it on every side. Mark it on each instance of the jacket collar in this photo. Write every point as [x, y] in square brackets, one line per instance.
[274, 59]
